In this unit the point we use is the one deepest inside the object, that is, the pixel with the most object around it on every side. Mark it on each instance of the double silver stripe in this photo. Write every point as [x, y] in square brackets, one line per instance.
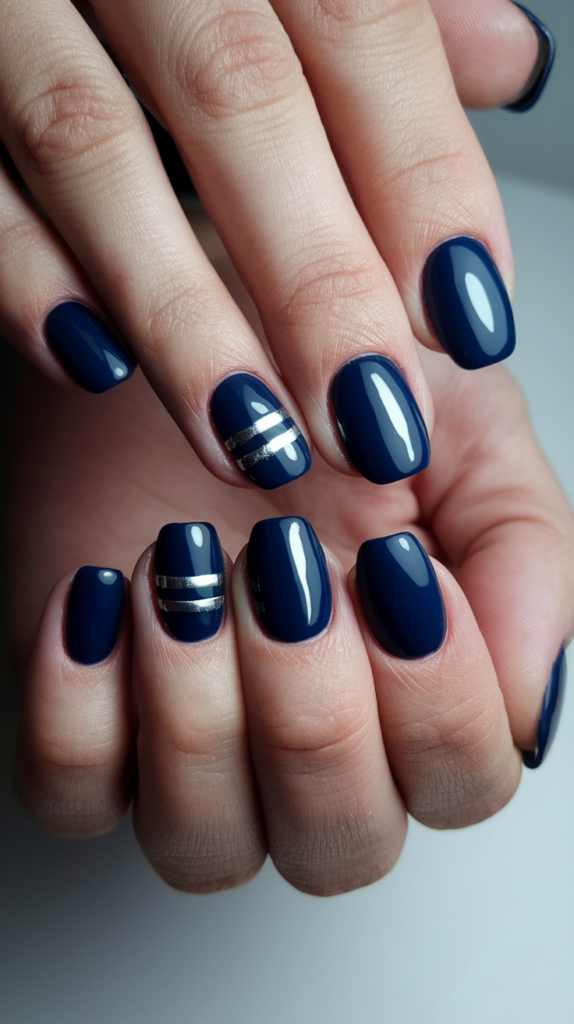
[184, 582]
[269, 449]
[206, 604]
[271, 419]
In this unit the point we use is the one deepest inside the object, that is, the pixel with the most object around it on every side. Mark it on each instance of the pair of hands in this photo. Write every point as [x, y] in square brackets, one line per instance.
[232, 94]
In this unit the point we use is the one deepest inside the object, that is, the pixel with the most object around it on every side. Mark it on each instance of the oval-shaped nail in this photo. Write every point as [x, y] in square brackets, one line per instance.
[467, 304]
[87, 349]
[263, 439]
[539, 76]
[379, 420]
[94, 615]
[550, 713]
[190, 580]
[401, 596]
[289, 579]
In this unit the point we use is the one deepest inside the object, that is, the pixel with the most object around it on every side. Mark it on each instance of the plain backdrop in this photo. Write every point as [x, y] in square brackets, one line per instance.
[471, 926]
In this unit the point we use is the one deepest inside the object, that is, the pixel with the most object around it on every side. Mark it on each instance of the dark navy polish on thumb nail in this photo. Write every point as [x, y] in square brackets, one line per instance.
[379, 420]
[190, 580]
[86, 348]
[289, 579]
[265, 442]
[467, 304]
[401, 596]
[550, 714]
[95, 611]
[538, 78]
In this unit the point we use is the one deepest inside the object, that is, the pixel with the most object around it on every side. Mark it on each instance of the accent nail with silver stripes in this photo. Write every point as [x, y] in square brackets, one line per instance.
[267, 445]
[190, 580]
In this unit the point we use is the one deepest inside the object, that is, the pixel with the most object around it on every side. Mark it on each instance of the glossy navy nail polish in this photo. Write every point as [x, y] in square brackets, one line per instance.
[190, 580]
[536, 83]
[289, 579]
[379, 420]
[86, 348]
[263, 439]
[401, 596]
[550, 714]
[94, 616]
[467, 304]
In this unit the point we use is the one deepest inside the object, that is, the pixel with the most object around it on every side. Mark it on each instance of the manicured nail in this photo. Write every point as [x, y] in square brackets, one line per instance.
[467, 303]
[546, 52]
[263, 439]
[380, 422]
[401, 596]
[190, 580]
[550, 715]
[289, 579]
[95, 610]
[86, 348]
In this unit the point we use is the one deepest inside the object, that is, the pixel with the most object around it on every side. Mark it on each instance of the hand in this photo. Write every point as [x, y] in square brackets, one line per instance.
[311, 778]
[273, 107]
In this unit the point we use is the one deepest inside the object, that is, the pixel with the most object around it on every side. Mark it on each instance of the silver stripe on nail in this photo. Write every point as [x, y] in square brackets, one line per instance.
[183, 582]
[271, 419]
[267, 450]
[206, 604]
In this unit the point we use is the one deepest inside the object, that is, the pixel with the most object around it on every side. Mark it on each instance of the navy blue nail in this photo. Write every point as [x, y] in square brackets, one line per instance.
[467, 303]
[86, 348]
[550, 714]
[401, 596]
[190, 580]
[380, 422]
[289, 579]
[263, 439]
[546, 52]
[95, 610]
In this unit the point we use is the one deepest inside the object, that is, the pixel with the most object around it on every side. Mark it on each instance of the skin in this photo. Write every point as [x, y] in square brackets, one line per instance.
[241, 744]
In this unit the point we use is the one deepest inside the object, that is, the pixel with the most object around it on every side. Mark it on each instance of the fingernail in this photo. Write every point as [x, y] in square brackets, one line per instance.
[537, 81]
[401, 596]
[86, 348]
[550, 714]
[467, 303]
[263, 439]
[95, 610]
[379, 420]
[289, 579]
[190, 580]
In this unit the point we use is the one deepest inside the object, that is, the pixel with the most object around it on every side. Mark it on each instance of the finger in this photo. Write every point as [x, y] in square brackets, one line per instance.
[196, 814]
[75, 733]
[505, 526]
[421, 182]
[47, 307]
[442, 713]
[82, 144]
[230, 89]
[498, 53]
[333, 817]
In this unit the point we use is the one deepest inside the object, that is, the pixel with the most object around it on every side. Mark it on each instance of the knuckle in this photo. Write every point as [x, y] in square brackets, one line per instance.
[327, 283]
[319, 740]
[363, 12]
[71, 119]
[239, 62]
[73, 802]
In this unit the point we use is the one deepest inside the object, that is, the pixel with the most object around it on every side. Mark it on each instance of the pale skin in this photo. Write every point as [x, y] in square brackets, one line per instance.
[312, 751]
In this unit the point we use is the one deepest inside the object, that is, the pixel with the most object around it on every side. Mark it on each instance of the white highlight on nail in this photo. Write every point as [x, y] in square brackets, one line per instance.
[296, 545]
[480, 300]
[394, 412]
[107, 576]
[291, 452]
[404, 543]
[197, 536]
[259, 407]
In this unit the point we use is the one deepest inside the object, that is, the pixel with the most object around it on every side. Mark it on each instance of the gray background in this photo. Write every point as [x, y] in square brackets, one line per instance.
[470, 926]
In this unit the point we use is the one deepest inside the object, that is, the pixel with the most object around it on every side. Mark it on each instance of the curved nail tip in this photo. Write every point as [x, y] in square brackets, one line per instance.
[94, 614]
[537, 82]
[467, 304]
[86, 348]
[552, 704]
[264, 440]
[379, 420]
